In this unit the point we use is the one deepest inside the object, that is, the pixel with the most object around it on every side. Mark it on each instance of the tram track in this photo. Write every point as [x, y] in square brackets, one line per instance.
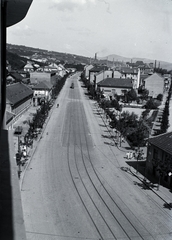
[131, 229]
[73, 178]
[108, 195]
[93, 186]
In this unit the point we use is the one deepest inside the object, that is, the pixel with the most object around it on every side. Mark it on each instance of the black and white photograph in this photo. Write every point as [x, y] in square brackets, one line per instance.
[86, 120]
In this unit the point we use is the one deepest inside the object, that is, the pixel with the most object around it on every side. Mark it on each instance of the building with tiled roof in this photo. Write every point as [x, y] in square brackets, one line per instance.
[159, 157]
[29, 67]
[42, 92]
[112, 86]
[18, 97]
[127, 72]
[14, 77]
[102, 75]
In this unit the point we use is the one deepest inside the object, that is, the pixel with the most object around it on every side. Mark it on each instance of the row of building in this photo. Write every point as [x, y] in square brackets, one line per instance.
[112, 81]
[21, 95]
[27, 87]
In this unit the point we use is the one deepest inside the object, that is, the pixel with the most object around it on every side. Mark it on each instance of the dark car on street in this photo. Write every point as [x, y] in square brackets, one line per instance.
[72, 85]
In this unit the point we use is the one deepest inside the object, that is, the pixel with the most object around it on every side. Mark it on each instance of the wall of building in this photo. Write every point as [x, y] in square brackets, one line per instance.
[110, 91]
[129, 75]
[102, 75]
[17, 109]
[91, 77]
[87, 69]
[156, 158]
[36, 77]
[116, 74]
[155, 87]
[40, 95]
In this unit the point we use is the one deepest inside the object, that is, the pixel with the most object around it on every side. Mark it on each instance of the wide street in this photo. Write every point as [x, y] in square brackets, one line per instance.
[74, 186]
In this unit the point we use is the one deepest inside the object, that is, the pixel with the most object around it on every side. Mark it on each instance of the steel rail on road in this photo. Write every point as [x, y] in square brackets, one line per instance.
[104, 201]
[80, 111]
[75, 186]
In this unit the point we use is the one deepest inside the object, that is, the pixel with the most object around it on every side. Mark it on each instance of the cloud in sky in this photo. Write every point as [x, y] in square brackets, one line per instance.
[108, 5]
[70, 5]
[130, 28]
[81, 31]
[23, 31]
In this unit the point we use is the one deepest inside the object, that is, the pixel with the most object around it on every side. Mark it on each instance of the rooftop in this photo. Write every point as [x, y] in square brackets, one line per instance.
[43, 86]
[163, 141]
[116, 82]
[98, 68]
[17, 91]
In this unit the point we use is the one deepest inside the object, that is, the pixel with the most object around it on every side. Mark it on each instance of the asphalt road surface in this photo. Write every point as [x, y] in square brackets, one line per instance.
[74, 187]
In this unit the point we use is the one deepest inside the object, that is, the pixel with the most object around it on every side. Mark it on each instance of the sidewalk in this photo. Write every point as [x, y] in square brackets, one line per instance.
[23, 121]
[138, 168]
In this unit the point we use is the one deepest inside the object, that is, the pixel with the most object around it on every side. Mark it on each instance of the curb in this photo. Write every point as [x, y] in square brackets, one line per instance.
[35, 148]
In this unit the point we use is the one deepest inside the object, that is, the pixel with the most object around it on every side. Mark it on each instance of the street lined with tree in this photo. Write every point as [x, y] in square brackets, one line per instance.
[75, 186]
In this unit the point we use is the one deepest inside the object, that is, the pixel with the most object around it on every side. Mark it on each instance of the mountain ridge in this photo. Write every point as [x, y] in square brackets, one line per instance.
[22, 50]
[115, 57]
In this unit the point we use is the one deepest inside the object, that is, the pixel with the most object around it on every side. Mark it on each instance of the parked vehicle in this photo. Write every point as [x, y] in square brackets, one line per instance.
[72, 85]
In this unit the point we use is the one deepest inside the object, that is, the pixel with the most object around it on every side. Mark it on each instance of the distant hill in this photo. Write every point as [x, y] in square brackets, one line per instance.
[23, 53]
[114, 57]
[15, 60]
[29, 52]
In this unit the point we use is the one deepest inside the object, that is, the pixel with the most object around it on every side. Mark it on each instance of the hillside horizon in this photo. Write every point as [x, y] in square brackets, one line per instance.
[115, 57]
[79, 58]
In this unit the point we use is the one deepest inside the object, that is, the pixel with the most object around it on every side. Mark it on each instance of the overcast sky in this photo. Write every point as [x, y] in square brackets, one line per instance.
[129, 28]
